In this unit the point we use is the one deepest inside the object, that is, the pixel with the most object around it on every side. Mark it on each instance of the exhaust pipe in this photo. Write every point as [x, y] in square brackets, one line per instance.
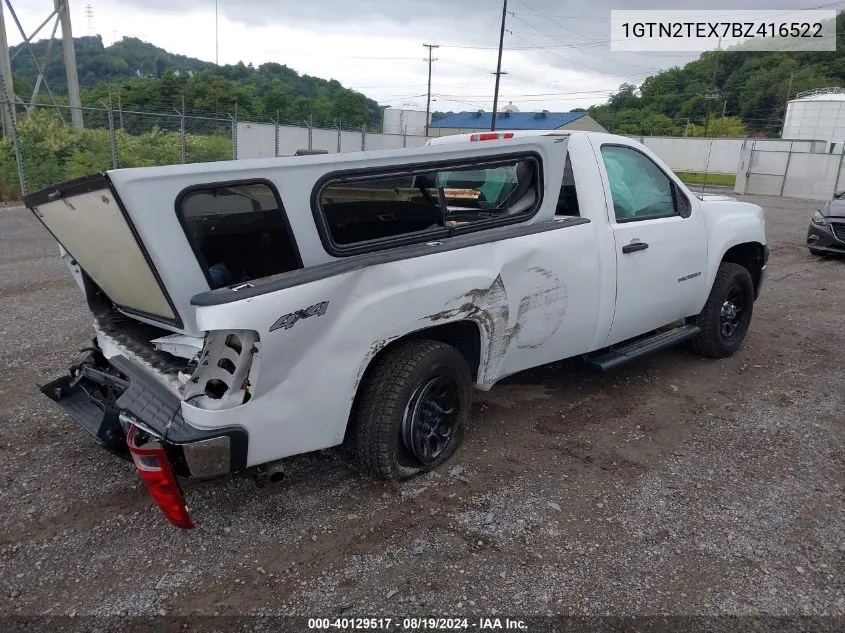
[270, 473]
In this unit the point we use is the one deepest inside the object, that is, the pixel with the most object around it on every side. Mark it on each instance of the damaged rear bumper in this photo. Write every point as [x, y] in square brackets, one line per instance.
[107, 397]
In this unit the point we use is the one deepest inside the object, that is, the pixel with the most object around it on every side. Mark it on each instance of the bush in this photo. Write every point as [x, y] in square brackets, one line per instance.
[53, 152]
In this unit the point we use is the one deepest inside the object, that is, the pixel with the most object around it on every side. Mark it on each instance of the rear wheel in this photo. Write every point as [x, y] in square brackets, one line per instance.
[412, 409]
[726, 316]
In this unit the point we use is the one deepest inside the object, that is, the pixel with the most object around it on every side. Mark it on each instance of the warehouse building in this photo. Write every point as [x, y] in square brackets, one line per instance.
[509, 119]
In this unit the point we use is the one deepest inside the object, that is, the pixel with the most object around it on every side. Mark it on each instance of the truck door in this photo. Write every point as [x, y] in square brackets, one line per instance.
[661, 244]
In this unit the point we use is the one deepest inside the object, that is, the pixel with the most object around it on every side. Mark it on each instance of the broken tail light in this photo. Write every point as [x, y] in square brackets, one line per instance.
[157, 475]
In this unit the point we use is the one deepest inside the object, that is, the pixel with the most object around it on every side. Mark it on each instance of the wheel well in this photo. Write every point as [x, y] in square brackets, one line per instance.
[750, 255]
[465, 336]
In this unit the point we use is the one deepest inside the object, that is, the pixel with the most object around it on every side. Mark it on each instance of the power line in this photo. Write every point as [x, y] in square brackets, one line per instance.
[578, 48]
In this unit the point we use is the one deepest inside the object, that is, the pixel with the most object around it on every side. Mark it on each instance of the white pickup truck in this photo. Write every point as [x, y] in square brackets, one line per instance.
[250, 310]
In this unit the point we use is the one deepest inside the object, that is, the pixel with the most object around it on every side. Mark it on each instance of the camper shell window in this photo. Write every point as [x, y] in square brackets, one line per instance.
[238, 231]
[358, 212]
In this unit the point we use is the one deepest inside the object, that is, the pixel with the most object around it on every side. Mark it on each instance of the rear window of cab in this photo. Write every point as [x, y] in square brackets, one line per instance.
[370, 210]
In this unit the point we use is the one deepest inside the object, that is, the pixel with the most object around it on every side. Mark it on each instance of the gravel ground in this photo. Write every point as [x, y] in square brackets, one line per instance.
[676, 486]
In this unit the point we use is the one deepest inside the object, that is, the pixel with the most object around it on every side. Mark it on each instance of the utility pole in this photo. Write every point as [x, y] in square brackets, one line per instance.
[712, 93]
[216, 36]
[428, 100]
[724, 107]
[7, 93]
[69, 55]
[499, 65]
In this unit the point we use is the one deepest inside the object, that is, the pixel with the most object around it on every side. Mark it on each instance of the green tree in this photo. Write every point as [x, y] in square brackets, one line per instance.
[659, 125]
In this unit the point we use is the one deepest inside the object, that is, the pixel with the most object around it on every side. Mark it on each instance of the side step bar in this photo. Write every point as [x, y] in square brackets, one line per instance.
[640, 347]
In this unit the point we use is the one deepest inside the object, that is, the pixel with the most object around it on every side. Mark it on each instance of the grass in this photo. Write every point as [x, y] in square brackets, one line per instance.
[697, 178]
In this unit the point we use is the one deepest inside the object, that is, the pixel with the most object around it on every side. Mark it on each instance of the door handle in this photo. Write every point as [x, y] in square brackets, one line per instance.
[633, 247]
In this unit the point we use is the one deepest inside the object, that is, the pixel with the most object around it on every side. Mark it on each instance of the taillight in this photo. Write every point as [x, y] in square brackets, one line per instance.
[157, 475]
[490, 136]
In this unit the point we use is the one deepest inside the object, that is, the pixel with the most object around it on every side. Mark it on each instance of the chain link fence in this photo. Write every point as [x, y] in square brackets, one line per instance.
[44, 148]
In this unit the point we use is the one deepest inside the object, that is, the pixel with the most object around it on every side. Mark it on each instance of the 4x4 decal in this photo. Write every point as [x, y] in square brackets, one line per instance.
[287, 321]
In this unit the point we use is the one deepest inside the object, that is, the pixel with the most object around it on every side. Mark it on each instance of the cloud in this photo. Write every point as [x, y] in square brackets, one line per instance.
[557, 54]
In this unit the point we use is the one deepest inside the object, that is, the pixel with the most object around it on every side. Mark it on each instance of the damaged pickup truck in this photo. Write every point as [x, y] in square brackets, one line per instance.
[246, 311]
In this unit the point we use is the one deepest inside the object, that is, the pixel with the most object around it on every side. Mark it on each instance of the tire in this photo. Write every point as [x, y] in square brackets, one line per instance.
[722, 330]
[412, 386]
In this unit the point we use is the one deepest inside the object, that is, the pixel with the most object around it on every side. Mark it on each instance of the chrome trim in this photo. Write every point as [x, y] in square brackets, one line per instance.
[208, 458]
[127, 420]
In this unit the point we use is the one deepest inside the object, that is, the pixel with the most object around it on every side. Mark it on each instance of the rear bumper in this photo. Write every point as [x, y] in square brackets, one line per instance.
[107, 397]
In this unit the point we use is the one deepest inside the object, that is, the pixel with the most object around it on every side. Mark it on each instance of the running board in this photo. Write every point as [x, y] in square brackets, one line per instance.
[641, 347]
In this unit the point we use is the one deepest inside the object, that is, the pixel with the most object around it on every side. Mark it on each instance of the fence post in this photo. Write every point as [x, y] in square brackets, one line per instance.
[363, 137]
[112, 139]
[182, 148]
[836, 188]
[11, 130]
[338, 137]
[311, 132]
[404, 139]
[276, 135]
[786, 168]
[234, 136]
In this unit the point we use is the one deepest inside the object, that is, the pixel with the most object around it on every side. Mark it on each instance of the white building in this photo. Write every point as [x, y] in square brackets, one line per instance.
[399, 121]
[816, 115]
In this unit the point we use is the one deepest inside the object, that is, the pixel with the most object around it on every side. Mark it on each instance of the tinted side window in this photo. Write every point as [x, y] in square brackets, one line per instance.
[238, 232]
[639, 188]
[567, 202]
[382, 210]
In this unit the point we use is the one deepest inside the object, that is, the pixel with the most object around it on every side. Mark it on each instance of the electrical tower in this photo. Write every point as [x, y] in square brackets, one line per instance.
[61, 13]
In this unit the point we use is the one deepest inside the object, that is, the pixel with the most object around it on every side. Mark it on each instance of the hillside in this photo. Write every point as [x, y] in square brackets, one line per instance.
[149, 77]
[752, 87]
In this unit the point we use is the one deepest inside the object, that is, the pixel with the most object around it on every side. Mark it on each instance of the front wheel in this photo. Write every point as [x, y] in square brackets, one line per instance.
[726, 316]
[412, 409]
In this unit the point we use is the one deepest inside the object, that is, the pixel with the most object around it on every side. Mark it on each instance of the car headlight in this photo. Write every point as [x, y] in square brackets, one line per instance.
[819, 219]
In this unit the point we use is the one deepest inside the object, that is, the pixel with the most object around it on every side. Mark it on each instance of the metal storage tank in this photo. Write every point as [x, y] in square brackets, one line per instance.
[816, 115]
[399, 121]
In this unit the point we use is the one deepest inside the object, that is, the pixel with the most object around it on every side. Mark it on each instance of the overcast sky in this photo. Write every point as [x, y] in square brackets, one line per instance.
[556, 54]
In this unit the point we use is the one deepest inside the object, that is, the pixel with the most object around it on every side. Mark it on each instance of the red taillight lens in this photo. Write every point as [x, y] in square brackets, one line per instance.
[157, 475]
[490, 136]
